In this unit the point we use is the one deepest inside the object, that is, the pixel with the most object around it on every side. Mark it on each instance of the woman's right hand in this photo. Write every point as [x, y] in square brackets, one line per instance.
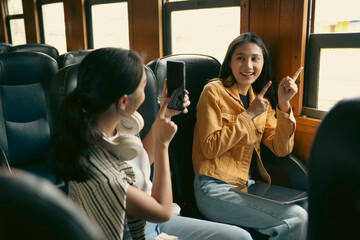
[163, 128]
[260, 103]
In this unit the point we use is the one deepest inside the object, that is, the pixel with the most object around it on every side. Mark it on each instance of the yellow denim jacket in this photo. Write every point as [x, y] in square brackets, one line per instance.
[225, 136]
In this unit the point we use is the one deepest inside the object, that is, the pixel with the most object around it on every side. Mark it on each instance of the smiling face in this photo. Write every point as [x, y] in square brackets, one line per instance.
[246, 65]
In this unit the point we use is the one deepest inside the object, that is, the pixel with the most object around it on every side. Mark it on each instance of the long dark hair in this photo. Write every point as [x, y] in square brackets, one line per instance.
[104, 76]
[266, 73]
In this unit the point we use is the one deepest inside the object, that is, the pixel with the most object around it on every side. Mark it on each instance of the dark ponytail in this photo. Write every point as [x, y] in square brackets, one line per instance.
[104, 76]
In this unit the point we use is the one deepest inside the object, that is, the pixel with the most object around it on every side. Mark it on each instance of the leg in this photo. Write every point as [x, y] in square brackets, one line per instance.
[195, 229]
[279, 221]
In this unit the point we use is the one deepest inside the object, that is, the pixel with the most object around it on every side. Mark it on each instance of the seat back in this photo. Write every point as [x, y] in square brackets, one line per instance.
[69, 58]
[4, 47]
[334, 167]
[199, 69]
[33, 208]
[149, 108]
[25, 110]
[63, 83]
[36, 47]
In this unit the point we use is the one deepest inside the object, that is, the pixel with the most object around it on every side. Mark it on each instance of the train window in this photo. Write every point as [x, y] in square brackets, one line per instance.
[107, 23]
[333, 55]
[53, 23]
[204, 27]
[14, 18]
[14, 7]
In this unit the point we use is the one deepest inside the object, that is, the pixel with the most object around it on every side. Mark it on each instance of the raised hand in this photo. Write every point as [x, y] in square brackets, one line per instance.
[163, 128]
[287, 89]
[260, 104]
[171, 112]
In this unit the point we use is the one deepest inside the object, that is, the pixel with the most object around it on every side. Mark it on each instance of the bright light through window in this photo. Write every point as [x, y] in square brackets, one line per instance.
[17, 27]
[337, 16]
[110, 25]
[54, 26]
[339, 76]
[204, 31]
[14, 7]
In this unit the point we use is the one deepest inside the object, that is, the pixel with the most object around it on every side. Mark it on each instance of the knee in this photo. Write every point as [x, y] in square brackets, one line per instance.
[235, 232]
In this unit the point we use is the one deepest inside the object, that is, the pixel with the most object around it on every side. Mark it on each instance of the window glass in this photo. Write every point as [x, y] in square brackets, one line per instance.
[18, 35]
[204, 31]
[337, 16]
[110, 25]
[14, 7]
[339, 76]
[54, 26]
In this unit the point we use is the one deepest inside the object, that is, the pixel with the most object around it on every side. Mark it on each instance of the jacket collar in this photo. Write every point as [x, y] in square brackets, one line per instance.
[234, 92]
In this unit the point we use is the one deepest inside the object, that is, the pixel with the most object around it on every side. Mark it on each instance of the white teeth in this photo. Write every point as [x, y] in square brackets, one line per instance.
[247, 74]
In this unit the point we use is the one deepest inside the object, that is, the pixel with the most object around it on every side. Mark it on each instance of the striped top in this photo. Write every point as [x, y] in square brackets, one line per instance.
[103, 195]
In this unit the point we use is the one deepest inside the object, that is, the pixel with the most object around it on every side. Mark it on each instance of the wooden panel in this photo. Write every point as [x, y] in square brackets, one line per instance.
[31, 21]
[146, 28]
[256, 17]
[304, 136]
[3, 30]
[75, 26]
[271, 31]
[244, 15]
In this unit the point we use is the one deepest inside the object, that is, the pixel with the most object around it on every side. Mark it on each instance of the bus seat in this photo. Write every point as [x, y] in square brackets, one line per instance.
[25, 119]
[199, 69]
[33, 208]
[36, 47]
[334, 170]
[4, 47]
[72, 57]
[62, 84]
[149, 108]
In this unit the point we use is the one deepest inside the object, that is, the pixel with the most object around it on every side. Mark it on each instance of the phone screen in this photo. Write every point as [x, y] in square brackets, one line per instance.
[175, 76]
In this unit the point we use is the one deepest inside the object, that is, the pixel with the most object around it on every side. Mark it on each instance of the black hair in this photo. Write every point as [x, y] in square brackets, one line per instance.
[266, 73]
[104, 75]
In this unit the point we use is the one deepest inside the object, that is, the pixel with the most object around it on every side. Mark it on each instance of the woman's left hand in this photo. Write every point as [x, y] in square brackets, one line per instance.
[171, 112]
[287, 90]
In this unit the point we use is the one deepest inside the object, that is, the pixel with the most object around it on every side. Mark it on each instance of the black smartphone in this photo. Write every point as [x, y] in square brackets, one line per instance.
[175, 84]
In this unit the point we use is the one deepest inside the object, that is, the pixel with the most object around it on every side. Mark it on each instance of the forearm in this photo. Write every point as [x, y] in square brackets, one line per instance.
[148, 145]
[162, 189]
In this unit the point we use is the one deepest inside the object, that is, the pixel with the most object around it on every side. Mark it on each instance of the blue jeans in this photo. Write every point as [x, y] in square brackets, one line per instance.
[279, 221]
[194, 229]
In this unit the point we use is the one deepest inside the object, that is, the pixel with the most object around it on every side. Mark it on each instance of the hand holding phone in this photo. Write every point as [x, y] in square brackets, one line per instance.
[175, 84]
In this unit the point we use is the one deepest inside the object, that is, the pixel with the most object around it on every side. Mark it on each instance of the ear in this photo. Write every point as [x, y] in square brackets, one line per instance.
[122, 102]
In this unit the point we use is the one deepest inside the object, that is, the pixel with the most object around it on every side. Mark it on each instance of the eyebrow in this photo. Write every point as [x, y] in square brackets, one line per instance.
[243, 54]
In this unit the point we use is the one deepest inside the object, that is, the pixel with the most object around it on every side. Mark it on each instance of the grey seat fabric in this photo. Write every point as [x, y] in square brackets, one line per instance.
[36, 47]
[25, 118]
[334, 170]
[33, 208]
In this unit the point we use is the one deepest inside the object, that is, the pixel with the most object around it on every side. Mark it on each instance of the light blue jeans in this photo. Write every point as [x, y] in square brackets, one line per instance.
[279, 221]
[194, 229]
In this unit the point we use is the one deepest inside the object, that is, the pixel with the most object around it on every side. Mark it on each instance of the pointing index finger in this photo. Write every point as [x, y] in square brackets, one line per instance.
[296, 75]
[263, 91]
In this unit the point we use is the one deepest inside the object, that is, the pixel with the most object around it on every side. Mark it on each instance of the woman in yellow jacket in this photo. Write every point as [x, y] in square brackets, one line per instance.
[235, 113]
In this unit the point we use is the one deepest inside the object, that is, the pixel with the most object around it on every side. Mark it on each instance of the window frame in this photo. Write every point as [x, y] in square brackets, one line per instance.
[315, 42]
[88, 17]
[170, 7]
